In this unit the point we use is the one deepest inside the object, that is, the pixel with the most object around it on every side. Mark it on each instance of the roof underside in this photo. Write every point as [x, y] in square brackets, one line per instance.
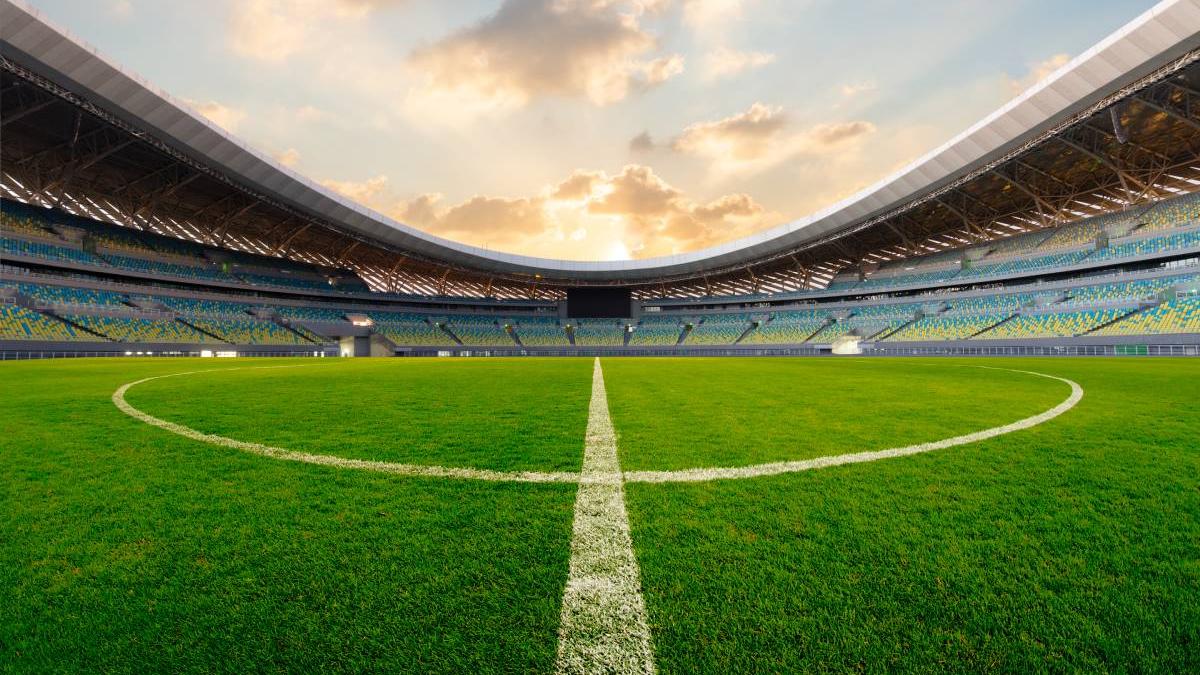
[1135, 141]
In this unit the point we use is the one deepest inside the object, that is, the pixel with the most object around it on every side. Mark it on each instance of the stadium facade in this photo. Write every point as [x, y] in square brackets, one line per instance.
[1068, 221]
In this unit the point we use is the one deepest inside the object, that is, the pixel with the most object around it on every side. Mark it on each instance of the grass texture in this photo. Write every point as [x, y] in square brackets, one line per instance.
[1071, 546]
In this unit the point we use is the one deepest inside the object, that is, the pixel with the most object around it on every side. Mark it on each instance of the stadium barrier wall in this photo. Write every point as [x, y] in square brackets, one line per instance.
[20, 350]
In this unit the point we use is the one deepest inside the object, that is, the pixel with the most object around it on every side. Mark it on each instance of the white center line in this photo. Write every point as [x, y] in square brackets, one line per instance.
[604, 628]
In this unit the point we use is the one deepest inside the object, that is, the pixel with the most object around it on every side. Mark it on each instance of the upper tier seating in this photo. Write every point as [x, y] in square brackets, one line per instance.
[18, 224]
[1170, 242]
[201, 307]
[1085, 231]
[1178, 212]
[286, 281]
[157, 267]
[46, 294]
[37, 249]
[313, 313]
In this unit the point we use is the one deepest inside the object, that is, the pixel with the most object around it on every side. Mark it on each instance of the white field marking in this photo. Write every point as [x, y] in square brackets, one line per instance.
[681, 476]
[118, 399]
[775, 468]
[604, 628]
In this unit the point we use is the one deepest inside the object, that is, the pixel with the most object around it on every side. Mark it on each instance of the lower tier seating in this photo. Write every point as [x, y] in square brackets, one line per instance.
[1173, 316]
[541, 334]
[414, 334]
[19, 323]
[126, 329]
[945, 328]
[599, 333]
[481, 334]
[1053, 324]
[655, 334]
[248, 331]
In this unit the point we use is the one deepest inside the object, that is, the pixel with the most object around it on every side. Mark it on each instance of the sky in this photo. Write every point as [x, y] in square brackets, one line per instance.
[593, 129]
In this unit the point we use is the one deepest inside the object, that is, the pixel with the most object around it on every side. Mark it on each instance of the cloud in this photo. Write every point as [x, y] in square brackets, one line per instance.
[744, 136]
[271, 31]
[121, 9]
[587, 215]
[636, 191]
[289, 157]
[579, 186]
[710, 21]
[762, 137]
[1037, 72]
[226, 117]
[364, 192]
[641, 143]
[856, 88]
[723, 61]
[594, 50]
[494, 219]
[710, 15]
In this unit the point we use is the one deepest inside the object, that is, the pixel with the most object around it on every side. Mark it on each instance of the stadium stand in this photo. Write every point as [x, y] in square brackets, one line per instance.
[1054, 324]
[598, 332]
[132, 329]
[540, 332]
[790, 327]
[1174, 316]
[1105, 307]
[200, 307]
[410, 329]
[718, 329]
[946, 327]
[1181, 211]
[658, 331]
[20, 323]
[310, 313]
[45, 294]
[248, 331]
[483, 331]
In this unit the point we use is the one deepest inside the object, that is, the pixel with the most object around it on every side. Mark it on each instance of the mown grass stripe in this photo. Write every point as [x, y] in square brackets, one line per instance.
[775, 468]
[118, 399]
[604, 627]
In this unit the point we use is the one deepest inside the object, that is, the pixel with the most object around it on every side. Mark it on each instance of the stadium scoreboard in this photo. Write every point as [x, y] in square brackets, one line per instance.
[599, 303]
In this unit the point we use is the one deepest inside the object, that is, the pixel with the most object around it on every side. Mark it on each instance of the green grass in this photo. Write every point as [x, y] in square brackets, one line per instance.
[454, 413]
[749, 411]
[125, 548]
[1073, 546]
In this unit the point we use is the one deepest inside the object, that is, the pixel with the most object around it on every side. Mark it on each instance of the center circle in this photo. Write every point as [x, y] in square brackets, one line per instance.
[262, 381]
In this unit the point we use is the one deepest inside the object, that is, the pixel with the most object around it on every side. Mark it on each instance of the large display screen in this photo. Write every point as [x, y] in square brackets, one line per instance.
[598, 303]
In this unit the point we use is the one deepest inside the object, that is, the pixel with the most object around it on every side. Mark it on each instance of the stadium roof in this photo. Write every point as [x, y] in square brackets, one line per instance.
[1122, 112]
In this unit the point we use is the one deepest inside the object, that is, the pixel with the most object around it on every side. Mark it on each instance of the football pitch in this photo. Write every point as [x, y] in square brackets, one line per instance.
[541, 515]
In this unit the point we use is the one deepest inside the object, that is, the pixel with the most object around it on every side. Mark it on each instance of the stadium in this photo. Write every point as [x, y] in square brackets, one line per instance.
[945, 423]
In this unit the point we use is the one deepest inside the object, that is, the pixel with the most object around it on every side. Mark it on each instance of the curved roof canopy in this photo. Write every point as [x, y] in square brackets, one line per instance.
[1164, 33]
